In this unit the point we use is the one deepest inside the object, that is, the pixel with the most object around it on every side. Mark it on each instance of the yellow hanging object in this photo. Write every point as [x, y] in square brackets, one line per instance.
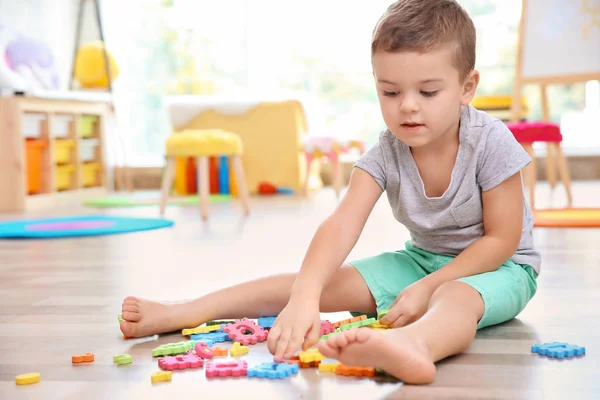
[90, 69]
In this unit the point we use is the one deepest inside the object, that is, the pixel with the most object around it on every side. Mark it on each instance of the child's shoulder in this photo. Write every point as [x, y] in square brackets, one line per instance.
[480, 130]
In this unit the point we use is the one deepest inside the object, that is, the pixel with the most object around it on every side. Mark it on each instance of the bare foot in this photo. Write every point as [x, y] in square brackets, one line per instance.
[146, 317]
[392, 350]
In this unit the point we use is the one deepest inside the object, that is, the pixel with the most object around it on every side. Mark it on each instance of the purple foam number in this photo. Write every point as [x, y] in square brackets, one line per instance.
[74, 225]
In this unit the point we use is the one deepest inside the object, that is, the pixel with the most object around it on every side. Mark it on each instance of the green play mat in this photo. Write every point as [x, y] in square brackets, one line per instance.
[137, 200]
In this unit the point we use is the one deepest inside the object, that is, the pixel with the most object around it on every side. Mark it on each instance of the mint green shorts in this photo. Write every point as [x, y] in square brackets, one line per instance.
[505, 292]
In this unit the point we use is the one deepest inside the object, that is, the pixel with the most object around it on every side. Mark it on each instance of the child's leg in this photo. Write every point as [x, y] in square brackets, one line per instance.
[456, 310]
[409, 353]
[261, 297]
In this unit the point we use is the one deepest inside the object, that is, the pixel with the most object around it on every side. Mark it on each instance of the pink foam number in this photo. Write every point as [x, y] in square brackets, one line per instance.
[230, 368]
[202, 350]
[74, 225]
[326, 327]
[186, 361]
[246, 332]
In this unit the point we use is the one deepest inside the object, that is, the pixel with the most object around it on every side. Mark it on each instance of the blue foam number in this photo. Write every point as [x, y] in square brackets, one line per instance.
[272, 370]
[266, 322]
[558, 350]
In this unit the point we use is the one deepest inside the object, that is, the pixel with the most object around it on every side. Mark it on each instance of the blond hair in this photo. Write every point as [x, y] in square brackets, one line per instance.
[425, 25]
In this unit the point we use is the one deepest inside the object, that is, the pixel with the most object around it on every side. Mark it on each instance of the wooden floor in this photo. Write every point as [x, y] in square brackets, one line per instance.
[62, 297]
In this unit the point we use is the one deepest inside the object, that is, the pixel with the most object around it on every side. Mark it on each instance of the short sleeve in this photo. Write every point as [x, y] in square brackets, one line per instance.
[373, 163]
[502, 157]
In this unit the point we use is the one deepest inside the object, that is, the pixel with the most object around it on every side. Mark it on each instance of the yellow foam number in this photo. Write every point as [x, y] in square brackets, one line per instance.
[161, 376]
[27, 379]
[237, 349]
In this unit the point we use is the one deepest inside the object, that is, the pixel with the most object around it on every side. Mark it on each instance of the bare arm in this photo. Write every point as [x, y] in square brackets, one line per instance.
[503, 225]
[336, 236]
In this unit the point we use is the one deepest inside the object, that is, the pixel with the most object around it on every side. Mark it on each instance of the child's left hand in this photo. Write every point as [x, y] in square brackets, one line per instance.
[410, 305]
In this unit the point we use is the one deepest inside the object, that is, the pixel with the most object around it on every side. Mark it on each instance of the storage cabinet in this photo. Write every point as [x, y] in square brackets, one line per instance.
[50, 150]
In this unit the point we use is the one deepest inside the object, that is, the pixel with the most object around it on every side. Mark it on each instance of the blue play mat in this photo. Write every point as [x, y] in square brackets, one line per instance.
[89, 225]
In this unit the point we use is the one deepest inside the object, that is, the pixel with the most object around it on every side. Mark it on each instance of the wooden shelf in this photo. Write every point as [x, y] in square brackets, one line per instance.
[59, 130]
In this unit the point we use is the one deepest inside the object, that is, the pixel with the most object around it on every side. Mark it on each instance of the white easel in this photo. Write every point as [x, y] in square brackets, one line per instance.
[558, 43]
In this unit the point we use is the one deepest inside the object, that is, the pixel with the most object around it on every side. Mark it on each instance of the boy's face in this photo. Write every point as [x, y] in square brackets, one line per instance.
[420, 94]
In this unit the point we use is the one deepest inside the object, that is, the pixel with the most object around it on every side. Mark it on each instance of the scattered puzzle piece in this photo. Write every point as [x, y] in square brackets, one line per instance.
[382, 314]
[201, 329]
[120, 318]
[121, 359]
[273, 370]
[378, 326]
[210, 323]
[237, 349]
[266, 322]
[328, 366]
[310, 355]
[207, 342]
[238, 331]
[27, 379]
[202, 350]
[230, 368]
[326, 328]
[170, 349]
[325, 337]
[347, 370]
[358, 324]
[186, 361]
[87, 357]
[220, 352]
[161, 376]
[349, 321]
[215, 337]
[558, 350]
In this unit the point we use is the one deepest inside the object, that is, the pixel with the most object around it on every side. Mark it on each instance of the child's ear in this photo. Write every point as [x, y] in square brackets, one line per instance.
[469, 87]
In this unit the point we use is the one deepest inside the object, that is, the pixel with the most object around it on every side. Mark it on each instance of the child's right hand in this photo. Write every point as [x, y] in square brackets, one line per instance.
[298, 323]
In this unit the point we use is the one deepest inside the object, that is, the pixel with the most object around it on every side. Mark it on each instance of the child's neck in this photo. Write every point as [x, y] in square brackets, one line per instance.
[448, 141]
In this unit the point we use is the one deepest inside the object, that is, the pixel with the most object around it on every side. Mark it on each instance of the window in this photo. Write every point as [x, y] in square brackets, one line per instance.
[320, 49]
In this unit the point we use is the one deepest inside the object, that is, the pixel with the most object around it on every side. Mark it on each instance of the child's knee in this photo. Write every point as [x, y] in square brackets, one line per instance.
[461, 293]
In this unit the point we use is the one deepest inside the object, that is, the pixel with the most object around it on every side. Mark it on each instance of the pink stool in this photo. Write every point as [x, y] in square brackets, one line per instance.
[527, 133]
[330, 147]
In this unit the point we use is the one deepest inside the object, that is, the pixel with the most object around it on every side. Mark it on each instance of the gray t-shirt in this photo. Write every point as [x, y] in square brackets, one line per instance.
[488, 154]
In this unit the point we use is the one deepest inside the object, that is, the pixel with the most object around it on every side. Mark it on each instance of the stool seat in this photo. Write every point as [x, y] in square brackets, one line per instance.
[207, 142]
[202, 144]
[531, 132]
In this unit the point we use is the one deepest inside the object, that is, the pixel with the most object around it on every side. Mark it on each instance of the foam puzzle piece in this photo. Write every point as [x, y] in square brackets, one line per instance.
[349, 321]
[348, 370]
[27, 379]
[220, 352]
[228, 368]
[325, 337]
[326, 328]
[189, 360]
[358, 324]
[237, 349]
[121, 359]
[378, 326]
[382, 314]
[273, 370]
[201, 329]
[120, 318]
[558, 350]
[310, 355]
[203, 350]
[87, 357]
[210, 323]
[215, 337]
[238, 331]
[171, 349]
[161, 376]
[266, 322]
[207, 342]
[328, 366]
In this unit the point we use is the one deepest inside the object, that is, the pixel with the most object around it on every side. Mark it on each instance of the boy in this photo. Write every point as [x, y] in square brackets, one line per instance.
[452, 176]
